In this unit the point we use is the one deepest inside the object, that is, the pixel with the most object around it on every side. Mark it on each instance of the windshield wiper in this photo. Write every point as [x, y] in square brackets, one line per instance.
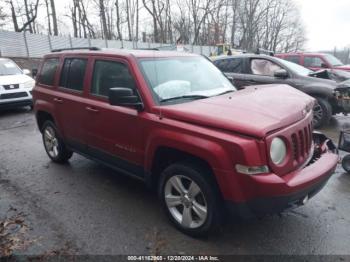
[225, 92]
[185, 96]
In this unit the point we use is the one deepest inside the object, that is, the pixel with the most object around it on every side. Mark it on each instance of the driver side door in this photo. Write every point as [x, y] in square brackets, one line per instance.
[114, 132]
[261, 72]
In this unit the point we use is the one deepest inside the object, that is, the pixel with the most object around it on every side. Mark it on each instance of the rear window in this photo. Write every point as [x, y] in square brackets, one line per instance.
[73, 73]
[48, 71]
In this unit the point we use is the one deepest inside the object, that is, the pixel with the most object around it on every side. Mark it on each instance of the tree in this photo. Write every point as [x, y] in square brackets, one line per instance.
[54, 17]
[30, 14]
[3, 16]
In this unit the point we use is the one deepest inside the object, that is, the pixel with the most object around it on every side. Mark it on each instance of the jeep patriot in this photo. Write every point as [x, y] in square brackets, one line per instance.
[174, 121]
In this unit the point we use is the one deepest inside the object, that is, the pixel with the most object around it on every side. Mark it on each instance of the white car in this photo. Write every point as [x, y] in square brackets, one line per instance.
[15, 85]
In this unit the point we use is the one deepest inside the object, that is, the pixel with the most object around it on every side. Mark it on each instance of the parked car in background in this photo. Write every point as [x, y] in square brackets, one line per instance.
[315, 61]
[252, 69]
[15, 85]
[174, 121]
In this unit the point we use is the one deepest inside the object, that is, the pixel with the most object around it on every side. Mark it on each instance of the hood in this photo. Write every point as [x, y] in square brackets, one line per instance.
[14, 79]
[343, 67]
[332, 74]
[254, 111]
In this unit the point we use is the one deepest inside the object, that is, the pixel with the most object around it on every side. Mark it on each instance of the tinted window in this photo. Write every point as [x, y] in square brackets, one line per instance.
[109, 74]
[312, 61]
[73, 72]
[47, 75]
[293, 59]
[232, 65]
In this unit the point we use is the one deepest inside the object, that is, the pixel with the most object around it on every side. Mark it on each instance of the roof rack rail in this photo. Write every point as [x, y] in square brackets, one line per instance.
[260, 51]
[147, 48]
[93, 48]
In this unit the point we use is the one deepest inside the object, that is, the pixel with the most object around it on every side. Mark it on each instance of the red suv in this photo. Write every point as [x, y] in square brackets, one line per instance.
[315, 61]
[175, 122]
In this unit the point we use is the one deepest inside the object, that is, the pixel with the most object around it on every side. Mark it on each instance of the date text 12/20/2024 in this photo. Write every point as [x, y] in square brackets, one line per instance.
[173, 258]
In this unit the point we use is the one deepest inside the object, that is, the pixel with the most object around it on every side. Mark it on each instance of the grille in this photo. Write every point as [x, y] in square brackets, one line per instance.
[13, 95]
[11, 87]
[301, 143]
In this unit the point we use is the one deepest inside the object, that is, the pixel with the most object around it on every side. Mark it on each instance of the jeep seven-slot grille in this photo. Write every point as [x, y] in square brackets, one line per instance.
[13, 95]
[301, 143]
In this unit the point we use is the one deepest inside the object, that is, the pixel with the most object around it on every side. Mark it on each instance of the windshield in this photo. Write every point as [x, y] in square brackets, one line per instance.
[333, 60]
[186, 78]
[7, 67]
[298, 69]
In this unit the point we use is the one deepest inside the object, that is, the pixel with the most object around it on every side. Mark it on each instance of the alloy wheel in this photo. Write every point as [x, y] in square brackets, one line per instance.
[318, 114]
[51, 141]
[185, 201]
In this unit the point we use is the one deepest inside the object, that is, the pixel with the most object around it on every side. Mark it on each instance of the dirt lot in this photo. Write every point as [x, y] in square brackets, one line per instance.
[86, 208]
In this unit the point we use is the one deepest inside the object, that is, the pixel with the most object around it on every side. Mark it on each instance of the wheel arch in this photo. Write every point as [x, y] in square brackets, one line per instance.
[43, 116]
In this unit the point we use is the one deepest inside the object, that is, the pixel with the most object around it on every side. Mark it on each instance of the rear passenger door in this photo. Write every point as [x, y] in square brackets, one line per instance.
[70, 103]
[114, 132]
[233, 68]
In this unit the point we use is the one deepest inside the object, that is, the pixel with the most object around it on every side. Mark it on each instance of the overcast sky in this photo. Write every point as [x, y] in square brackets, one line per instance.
[327, 23]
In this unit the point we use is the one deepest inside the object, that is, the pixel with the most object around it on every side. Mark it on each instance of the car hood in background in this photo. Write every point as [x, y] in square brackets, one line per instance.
[14, 79]
[254, 111]
[343, 67]
[332, 74]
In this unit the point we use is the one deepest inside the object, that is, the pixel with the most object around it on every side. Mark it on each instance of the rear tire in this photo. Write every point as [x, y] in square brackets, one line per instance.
[322, 112]
[190, 198]
[54, 145]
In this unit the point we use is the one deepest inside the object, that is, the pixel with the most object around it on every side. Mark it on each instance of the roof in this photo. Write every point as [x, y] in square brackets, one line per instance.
[242, 56]
[126, 52]
[302, 53]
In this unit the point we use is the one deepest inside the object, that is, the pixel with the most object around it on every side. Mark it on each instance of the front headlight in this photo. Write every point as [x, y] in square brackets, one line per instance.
[28, 84]
[278, 151]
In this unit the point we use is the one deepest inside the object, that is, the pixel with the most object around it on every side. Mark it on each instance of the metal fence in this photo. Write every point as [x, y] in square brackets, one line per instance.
[14, 44]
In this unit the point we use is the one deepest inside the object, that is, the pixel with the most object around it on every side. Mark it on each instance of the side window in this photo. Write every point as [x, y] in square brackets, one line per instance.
[109, 74]
[235, 65]
[293, 59]
[312, 61]
[48, 71]
[263, 67]
[221, 64]
[73, 73]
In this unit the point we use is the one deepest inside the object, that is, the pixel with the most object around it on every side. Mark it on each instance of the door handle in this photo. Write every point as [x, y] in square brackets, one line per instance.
[94, 110]
[58, 100]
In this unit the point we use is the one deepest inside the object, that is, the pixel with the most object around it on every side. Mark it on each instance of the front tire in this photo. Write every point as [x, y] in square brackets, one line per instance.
[54, 145]
[190, 199]
[322, 112]
[346, 163]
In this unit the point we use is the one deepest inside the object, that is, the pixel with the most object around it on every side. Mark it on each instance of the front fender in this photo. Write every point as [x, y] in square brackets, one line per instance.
[207, 150]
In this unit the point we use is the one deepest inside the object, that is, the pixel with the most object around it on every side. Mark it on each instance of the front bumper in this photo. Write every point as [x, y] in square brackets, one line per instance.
[8, 100]
[274, 194]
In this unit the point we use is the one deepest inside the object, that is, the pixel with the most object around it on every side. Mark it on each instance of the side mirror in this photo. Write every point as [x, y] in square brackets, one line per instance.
[324, 65]
[34, 72]
[26, 71]
[122, 96]
[281, 73]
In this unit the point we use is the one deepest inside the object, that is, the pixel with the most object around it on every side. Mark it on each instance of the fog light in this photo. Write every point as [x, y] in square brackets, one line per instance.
[252, 170]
